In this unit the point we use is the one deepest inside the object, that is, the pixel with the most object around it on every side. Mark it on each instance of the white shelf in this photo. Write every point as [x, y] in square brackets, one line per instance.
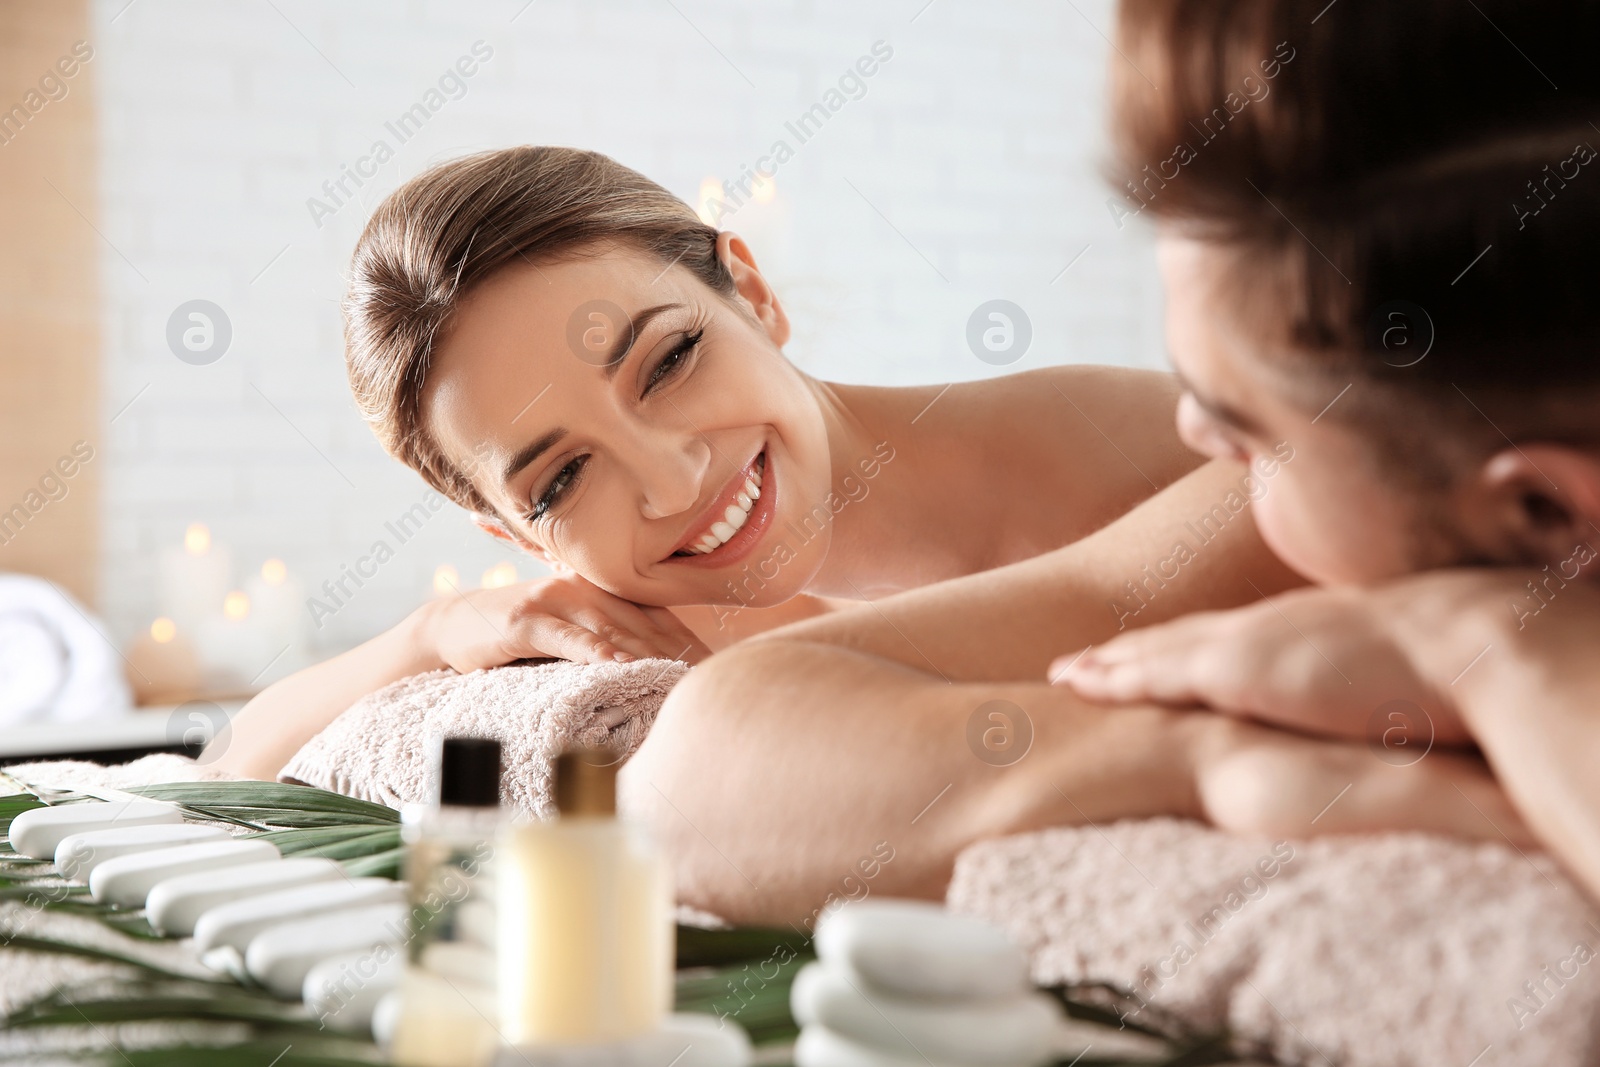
[150, 727]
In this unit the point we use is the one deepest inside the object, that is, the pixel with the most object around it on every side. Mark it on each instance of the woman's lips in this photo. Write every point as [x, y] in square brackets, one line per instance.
[759, 517]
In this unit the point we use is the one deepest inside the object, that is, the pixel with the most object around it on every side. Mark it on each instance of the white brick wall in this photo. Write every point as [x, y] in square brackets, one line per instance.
[979, 141]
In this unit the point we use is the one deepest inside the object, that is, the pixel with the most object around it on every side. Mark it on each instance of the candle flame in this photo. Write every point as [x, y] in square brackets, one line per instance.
[446, 579]
[764, 188]
[273, 572]
[163, 630]
[197, 539]
[709, 205]
[500, 575]
[236, 605]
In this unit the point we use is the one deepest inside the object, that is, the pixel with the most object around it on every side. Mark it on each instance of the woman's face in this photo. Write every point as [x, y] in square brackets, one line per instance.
[617, 414]
[1329, 511]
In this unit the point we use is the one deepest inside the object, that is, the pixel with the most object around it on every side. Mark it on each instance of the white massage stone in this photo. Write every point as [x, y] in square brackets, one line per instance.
[175, 905]
[238, 922]
[79, 854]
[820, 1047]
[126, 881]
[39, 831]
[918, 949]
[386, 1018]
[281, 956]
[1015, 1031]
[343, 991]
[683, 1040]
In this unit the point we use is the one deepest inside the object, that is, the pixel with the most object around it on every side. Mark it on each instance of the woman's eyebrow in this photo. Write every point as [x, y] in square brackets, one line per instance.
[619, 352]
[624, 342]
[530, 452]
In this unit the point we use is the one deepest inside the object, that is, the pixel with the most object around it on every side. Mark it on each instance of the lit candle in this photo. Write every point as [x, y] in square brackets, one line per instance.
[194, 579]
[166, 669]
[235, 649]
[277, 603]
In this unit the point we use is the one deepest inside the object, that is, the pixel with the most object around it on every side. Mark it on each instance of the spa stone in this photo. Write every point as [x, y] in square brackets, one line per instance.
[79, 854]
[1015, 1031]
[238, 922]
[818, 1046]
[175, 905]
[38, 833]
[281, 956]
[344, 991]
[126, 881]
[917, 949]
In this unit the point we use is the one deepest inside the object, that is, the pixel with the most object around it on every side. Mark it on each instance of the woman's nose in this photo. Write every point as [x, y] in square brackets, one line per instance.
[672, 478]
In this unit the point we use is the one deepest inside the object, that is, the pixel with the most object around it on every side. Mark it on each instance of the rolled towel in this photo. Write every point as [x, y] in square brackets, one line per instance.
[55, 664]
[380, 748]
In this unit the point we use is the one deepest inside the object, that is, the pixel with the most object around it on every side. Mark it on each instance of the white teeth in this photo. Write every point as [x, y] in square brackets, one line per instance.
[736, 515]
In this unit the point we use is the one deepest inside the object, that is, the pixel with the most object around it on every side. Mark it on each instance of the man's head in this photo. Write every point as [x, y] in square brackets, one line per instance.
[1378, 235]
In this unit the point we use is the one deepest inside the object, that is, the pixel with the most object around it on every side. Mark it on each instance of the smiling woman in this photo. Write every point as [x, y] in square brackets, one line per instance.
[564, 348]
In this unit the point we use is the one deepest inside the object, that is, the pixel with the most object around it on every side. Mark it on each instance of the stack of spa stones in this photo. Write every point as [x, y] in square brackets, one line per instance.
[902, 983]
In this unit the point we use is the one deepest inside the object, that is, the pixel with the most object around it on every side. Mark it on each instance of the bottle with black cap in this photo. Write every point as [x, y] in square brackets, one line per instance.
[586, 942]
[448, 998]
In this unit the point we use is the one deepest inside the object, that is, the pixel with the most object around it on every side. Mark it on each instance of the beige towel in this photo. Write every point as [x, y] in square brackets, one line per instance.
[380, 749]
[1376, 951]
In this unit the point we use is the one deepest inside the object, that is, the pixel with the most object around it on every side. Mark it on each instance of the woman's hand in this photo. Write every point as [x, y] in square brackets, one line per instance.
[565, 617]
[1318, 660]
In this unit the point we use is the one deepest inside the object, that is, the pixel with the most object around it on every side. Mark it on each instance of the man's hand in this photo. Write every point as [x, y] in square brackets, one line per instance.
[1318, 660]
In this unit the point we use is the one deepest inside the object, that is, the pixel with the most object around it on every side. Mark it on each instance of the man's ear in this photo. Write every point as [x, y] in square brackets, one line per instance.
[752, 286]
[492, 526]
[1544, 498]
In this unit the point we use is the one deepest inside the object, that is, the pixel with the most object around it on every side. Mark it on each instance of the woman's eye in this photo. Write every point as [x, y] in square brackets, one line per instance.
[559, 486]
[674, 361]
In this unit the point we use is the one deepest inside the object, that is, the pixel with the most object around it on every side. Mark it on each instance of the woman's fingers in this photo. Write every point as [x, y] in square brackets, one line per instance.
[638, 620]
[1178, 664]
[680, 641]
[551, 635]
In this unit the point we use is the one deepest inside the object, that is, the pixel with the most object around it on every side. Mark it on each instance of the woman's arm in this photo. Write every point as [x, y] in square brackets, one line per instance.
[1190, 547]
[565, 617]
[776, 769]
[270, 729]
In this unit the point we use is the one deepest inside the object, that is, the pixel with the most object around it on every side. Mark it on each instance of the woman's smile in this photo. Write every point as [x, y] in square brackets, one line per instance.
[734, 521]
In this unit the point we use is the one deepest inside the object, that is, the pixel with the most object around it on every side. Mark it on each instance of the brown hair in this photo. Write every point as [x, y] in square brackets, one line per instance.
[1348, 155]
[447, 229]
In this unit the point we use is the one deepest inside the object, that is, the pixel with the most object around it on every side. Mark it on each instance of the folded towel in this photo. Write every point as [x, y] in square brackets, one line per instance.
[381, 748]
[1395, 950]
[55, 664]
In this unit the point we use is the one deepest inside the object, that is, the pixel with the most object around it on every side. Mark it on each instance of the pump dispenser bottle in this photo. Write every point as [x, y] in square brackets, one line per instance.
[448, 999]
[586, 926]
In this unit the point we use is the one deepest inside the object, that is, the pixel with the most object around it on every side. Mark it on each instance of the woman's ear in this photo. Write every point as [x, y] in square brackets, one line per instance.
[1545, 499]
[752, 287]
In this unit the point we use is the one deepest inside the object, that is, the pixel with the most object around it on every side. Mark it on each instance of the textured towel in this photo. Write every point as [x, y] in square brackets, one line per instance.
[1374, 951]
[381, 748]
[55, 664]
